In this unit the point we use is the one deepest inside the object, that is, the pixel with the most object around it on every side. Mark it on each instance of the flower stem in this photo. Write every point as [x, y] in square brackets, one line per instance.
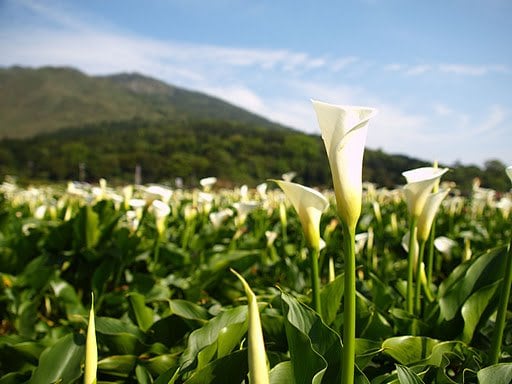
[430, 255]
[349, 309]
[417, 293]
[410, 266]
[315, 281]
[502, 310]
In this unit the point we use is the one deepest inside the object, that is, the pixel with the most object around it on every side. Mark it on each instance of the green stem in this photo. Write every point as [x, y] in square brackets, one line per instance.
[502, 310]
[349, 309]
[417, 293]
[410, 266]
[315, 281]
[430, 254]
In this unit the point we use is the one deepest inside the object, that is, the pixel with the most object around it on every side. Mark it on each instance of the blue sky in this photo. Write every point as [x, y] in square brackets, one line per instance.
[439, 72]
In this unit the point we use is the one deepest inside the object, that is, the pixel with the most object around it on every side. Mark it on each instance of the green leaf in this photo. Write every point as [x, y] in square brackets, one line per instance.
[160, 364]
[61, 362]
[407, 376]
[282, 373]
[330, 297]
[118, 365]
[86, 227]
[209, 334]
[188, 310]
[142, 375]
[315, 349]
[474, 307]
[409, 349]
[496, 374]
[482, 270]
[230, 369]
[67, 296]
[143, 314]
[120, 337]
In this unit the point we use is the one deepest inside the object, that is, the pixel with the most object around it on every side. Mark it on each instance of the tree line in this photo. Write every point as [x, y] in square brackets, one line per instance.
[236, 153]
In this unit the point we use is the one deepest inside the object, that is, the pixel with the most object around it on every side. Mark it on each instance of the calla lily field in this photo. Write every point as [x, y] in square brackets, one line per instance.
[279, 283]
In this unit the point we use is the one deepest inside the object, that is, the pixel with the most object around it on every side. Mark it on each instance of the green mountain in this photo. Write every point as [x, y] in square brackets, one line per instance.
[34, 101]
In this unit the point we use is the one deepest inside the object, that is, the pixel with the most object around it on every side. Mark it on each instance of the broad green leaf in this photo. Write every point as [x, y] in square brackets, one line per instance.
[407, 376]
[370, 323]
[496, 374]
[188, 310]
[117, 365]
[143, 314]
[162, 363]
[330, 297]
[15, 377]
[365, 351]
[67, 295]
[86, 227]
[315, 349]
[209, 334]
[474, 307]
[282, 373]
[408, 350]
[483, 270]
[142, 375]
[168, 330]
[120, 337]
[61, 362]
[230, 369]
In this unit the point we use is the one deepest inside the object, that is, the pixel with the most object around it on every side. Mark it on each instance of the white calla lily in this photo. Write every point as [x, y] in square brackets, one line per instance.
[509, 172]
[420, 182]
[428, 213]
[309, 204]
[344, 130]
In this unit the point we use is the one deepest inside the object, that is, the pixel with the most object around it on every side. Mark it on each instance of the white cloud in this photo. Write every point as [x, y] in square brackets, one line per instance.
[276, 83]
[417, 70]
[473, 70]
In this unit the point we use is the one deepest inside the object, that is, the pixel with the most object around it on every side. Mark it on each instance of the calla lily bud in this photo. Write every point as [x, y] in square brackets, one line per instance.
[309, 204]
[344, 130]
[420, 182]
[258, 369]
[91, 349]
[430, 208]
[509, 172]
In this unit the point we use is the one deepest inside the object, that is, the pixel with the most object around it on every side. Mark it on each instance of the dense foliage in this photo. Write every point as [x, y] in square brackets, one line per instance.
[235, 152]
[168, 310]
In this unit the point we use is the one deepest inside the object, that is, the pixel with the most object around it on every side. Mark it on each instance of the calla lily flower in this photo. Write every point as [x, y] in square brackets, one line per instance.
[344, 130]
[420, 182]
[445, 245]
[91, 349]
[217, 218]
[207, 183]
[161, 210]
[309, 204]
[430, 208]
[509, 172]
[258, 369]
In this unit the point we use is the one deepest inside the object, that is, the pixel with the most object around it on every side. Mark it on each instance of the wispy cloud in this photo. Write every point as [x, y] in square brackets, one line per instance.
[276, 83]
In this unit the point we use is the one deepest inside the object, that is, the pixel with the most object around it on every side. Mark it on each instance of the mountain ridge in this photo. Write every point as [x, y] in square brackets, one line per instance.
[46, 99]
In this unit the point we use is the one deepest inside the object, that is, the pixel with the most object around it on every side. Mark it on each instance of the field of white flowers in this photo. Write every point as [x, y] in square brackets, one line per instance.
[281, 283]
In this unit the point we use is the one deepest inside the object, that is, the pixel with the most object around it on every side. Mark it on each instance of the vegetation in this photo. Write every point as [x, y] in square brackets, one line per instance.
[235, 152]
[169, 310]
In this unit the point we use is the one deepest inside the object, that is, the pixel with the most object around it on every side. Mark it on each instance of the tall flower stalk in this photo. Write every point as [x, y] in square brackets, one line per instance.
[309, 204]
[499, 328]
[344, 130]
[419, 185]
